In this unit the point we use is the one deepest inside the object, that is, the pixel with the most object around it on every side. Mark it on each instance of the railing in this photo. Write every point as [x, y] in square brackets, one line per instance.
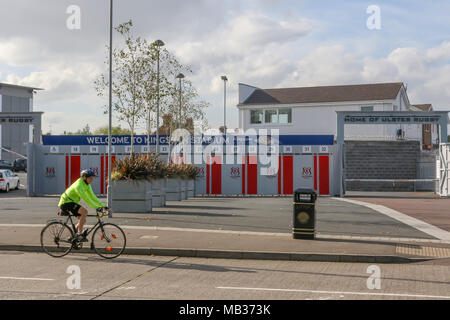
[379, 138]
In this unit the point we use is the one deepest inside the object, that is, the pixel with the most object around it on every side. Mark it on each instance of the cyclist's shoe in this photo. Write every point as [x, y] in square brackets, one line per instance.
[82, 236]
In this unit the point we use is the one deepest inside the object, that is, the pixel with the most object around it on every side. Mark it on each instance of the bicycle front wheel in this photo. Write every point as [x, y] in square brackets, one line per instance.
[109, 241]
[56, 239]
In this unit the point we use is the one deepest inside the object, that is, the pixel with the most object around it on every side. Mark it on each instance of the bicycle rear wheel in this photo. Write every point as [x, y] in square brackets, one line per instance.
[56, 239]
[109, 241]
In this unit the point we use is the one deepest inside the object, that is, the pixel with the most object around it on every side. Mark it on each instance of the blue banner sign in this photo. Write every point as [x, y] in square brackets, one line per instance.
[291, 140]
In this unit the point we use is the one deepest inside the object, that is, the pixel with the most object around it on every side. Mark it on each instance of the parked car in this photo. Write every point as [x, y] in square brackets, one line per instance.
[20, 164]
[6, 165]
[8, 180]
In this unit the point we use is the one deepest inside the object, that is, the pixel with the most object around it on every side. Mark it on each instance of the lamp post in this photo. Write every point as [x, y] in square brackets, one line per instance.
[225, 79]
[180, 77]
[158, 44]
[108, 191]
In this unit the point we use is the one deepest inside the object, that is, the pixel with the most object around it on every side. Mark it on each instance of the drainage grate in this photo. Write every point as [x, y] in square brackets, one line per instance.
[415, 250]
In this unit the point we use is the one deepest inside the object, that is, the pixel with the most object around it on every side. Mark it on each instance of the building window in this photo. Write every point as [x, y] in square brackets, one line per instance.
[367, 109]
[271, 116]
[285, 116]
[256, 116]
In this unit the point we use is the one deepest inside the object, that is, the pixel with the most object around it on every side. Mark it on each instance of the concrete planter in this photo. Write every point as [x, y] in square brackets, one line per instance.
[184, 189]
[131, 196]
[159, 193]
[173, 190]
[191, 188]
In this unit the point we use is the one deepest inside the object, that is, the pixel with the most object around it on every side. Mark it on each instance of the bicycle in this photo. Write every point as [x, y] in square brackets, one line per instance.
[58, 238]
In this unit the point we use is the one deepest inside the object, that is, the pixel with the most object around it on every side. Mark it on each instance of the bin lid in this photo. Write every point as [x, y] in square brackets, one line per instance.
[304, 191]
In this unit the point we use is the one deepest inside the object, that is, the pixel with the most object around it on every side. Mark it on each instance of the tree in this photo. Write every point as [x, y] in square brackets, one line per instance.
[128, 80]
[189, 108]
[134, 85]
[116, 131]
[192, 107]
[86, 131]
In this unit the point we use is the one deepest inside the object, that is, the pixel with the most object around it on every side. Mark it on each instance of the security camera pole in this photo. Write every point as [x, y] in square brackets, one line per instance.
[159, 44]
[108, 191]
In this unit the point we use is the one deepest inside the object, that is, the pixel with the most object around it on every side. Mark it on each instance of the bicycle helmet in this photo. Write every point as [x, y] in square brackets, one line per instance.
[87, 173]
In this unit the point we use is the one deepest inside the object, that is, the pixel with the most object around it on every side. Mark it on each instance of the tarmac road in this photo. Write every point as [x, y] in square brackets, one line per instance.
[38, 276]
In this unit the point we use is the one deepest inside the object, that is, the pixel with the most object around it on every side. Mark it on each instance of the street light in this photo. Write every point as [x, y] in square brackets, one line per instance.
[225, 79]
[108, 191]
[180, 76]
[158, 44]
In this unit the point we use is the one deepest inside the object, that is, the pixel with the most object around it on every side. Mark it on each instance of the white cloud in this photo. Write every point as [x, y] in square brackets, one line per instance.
[253, 47]
[57, 122]
[62, 82]
[425, 71]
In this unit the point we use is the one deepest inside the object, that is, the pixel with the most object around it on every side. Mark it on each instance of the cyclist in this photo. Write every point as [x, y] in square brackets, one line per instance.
[70, 201]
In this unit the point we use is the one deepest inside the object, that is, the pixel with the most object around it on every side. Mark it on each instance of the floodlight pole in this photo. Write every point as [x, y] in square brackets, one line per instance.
[180, 76]
[225, 79]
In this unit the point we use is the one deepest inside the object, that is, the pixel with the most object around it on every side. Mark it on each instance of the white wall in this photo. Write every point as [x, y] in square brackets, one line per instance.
[245, 91]
[322, 120]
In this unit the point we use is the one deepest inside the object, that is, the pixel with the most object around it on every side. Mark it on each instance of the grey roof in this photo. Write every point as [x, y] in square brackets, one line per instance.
[17, 86]
[361, 92]
[423, 107]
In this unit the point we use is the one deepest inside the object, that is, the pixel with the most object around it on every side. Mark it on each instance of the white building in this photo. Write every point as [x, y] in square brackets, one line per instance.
[312, 111]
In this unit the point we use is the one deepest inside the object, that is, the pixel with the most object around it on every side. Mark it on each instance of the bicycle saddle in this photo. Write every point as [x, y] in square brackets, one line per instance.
[63, 213]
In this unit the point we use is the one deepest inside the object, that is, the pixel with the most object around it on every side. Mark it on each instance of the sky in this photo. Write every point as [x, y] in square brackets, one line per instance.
[263, 43]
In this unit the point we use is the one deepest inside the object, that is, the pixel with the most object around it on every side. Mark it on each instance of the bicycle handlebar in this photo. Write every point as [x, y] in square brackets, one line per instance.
[104, 213]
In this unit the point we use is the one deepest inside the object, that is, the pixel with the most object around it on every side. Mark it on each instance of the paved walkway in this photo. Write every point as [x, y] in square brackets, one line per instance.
[435, 211]
[248, 228]
[245, 245]
[272, 215]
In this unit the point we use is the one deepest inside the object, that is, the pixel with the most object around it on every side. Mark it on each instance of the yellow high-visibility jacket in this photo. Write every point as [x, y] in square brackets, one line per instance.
[80, 190]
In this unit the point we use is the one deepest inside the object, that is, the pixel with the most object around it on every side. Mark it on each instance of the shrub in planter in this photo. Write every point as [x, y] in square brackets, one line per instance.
[132, 167]
[131, 190]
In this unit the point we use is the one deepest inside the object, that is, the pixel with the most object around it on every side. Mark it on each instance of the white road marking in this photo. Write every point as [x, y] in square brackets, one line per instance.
[22, 225]
[149, 237]
[30, 279]
[413, 222]
[406, 295]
